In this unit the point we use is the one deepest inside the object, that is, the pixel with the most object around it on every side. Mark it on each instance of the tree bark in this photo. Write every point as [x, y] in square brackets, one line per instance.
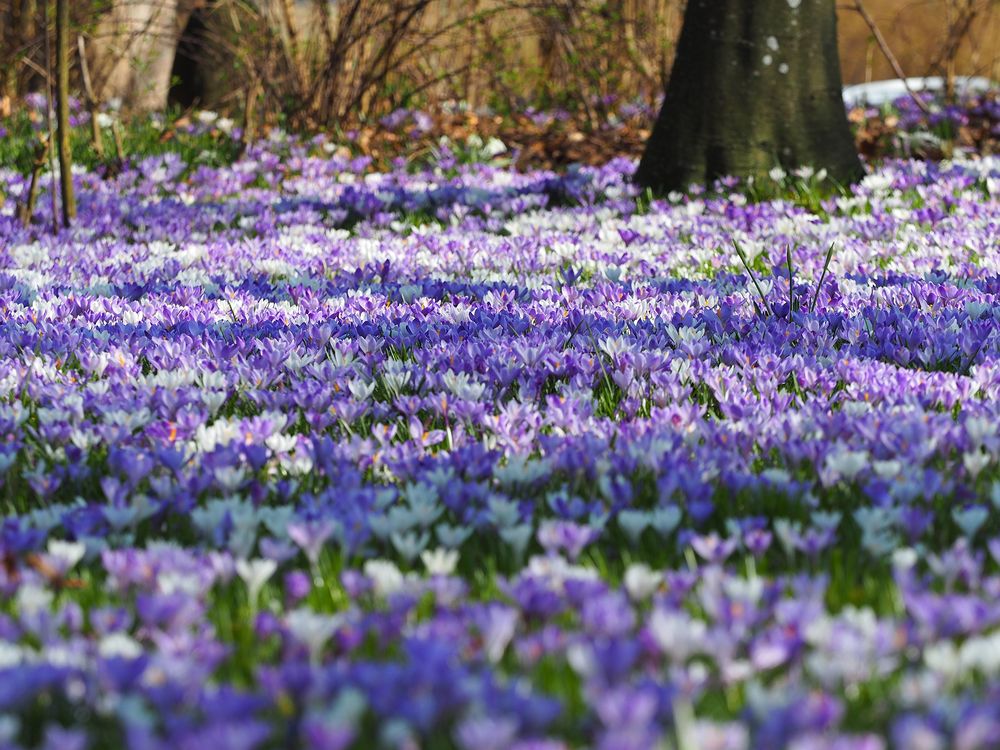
[62, 112]
[134, 51]
[17, 32]
[755, 84]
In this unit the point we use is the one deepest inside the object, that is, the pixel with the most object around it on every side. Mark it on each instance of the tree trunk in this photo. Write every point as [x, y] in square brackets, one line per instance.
[62, 112]
[133, 55]
[18, 28]
[755, 84]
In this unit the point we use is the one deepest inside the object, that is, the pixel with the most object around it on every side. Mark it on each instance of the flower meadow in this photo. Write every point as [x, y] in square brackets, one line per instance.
[298, 454]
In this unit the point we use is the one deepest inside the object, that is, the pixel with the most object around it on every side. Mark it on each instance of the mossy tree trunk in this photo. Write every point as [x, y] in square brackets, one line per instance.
[755, 84]
[62, 112]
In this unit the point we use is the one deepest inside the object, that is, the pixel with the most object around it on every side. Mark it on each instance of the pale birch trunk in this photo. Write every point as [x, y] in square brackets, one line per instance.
[134, 51]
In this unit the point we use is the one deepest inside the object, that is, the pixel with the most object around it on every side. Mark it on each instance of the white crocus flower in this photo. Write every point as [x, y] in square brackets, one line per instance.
[633, 523]
[641, 581]
[32, 598]
[665, 520]
[440, 561]
[504, 513]
[452, 536]
[887, 469]
[980, 429]
[969, 520]
[120, 645]
[494, 147]
[904, 558]
[66, 554]
[678, 634]
[255, 573]
[312, 630]
[229, 478]
[410, 544]
[385, 576]
[517, 537]
[361, 390]
[975, 461]
[847, 464]
[942, 659]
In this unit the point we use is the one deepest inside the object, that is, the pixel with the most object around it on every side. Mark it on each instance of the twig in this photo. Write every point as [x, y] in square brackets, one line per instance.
[883, 45]
[250, 113]
[28, 63]
[958, 29]
[26, 210]
[63, 127]
[48, 122]
[116, 132]
[95, 128]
